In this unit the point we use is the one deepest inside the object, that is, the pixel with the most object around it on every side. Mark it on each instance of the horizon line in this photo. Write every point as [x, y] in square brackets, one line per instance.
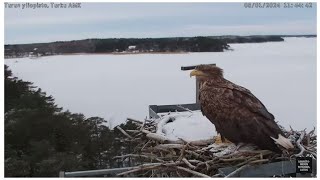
[281, 35]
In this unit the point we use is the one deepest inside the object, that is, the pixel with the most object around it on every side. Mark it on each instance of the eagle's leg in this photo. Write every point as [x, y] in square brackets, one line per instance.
[219, 139]
[225, 140]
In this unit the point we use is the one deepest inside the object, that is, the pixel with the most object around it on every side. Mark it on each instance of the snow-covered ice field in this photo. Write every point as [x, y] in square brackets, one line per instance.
[281, 74]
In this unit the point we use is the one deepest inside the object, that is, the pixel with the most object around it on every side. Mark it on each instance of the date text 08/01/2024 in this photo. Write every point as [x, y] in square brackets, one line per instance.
[277, 5]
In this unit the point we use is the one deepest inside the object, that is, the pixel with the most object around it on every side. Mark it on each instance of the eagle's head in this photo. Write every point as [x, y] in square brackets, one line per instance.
[207, 72]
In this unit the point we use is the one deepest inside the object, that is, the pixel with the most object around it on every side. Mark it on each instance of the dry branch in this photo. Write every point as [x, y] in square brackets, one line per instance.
[259, 161]
[133, 131]
[193, 172]
[138, 169]
[139, 156]
[170, 146]
[157, 137]
[302, 149]
[237, 171]
[233, 159]
[145, 131]
[123, 132]
[188, 163]
[134, 120]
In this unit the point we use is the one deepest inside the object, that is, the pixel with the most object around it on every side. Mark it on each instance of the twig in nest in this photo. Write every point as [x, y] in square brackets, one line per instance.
[136, 121]
[197, 155]
[157, 137]
[202, 142]
[234, 159]
[169, 146]
[302, 149]
[207, 166]
[149, 166]
[312, 132]
[210, 161]
[217, 175]
[247, 161]
[291, 129]
[138, 135]
[143, 124]
[138, 155]
[237, 171]
[179, 175]
[138, 169]
[133, 131]
[192, 172]
[193, 143]
[183, 152]
[123, 132]
[194, 161]
[259, 161]
[145, 145]
[188, 163]
[145, 131]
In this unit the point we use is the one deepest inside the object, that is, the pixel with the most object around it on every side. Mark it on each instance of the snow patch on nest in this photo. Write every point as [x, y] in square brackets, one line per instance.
[189, 126]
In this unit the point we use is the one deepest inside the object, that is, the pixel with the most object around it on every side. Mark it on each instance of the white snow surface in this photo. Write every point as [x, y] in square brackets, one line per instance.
[281, 74]
[189, 126]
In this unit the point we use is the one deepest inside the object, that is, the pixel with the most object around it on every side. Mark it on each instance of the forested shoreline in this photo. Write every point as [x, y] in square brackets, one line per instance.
[134, 45]
[42, 139]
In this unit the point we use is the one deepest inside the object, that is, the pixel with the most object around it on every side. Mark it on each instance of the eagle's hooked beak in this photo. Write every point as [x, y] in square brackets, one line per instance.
[196, 73]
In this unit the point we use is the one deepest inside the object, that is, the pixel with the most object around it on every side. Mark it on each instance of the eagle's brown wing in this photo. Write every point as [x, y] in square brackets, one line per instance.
[251, 102]
[238, 115]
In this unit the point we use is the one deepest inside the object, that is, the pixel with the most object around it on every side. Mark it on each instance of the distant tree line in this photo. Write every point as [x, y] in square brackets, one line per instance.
[118, 45]
[41, 139]
[195, 44]
[251, 39]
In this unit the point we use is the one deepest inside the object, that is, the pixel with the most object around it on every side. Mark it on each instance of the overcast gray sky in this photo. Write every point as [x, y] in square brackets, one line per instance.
[117, 20]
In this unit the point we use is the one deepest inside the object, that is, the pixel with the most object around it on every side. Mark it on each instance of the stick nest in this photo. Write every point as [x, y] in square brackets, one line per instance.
[157, 156]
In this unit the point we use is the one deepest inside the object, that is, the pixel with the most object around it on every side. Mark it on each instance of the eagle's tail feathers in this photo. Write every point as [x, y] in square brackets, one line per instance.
[284, 142]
